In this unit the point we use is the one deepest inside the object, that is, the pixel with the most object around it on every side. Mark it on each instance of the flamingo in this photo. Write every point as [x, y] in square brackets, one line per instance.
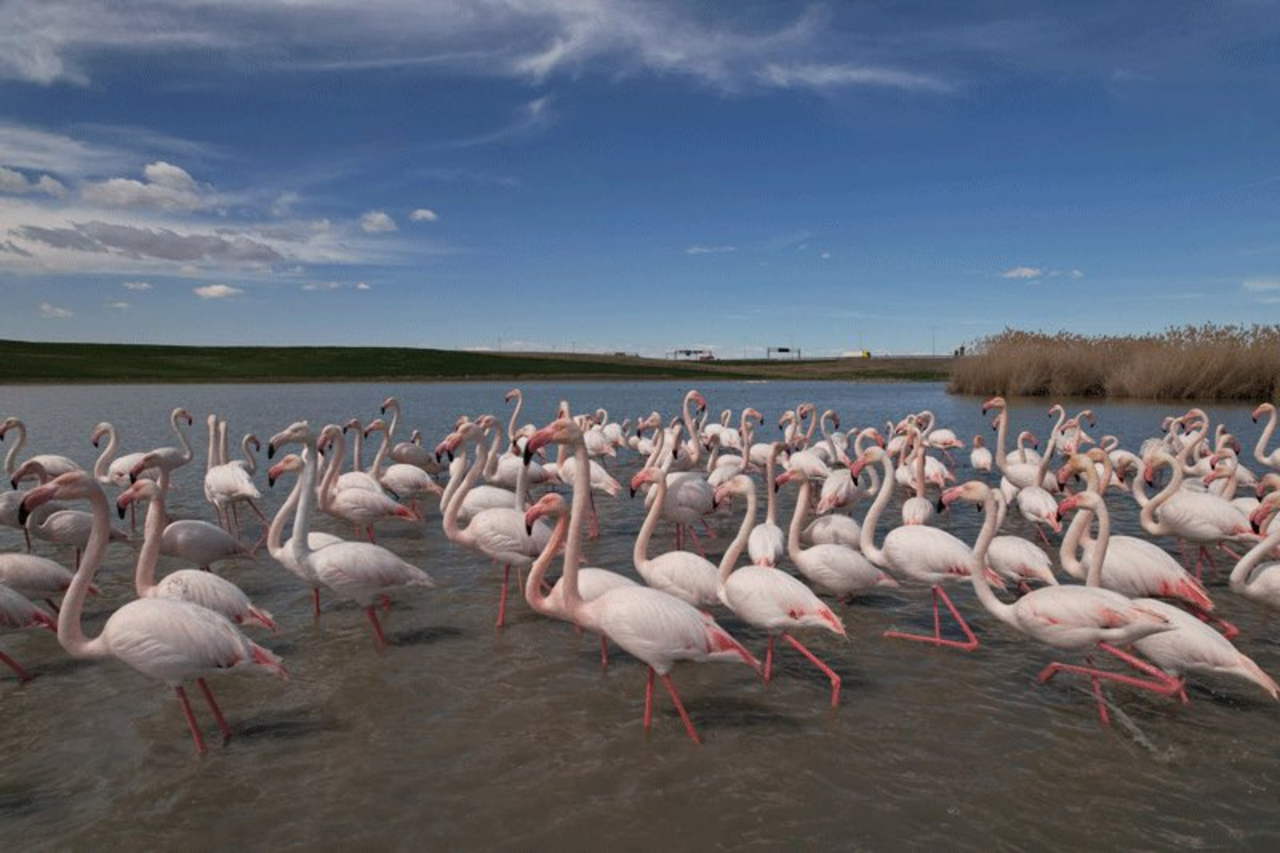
[409, 452]
[499, 532]
[1014, 558]
[921, 554]
[1254, 579]
[408, 482]
[770, 599]
[1075, 618]
[355, 570]
[110, 469]
[1197, 517]
[282, 552]
[767, 544]
[229, 483]
[980, 456]
[36, 577]
[843, 571]
[167, 458]
[18, 614]
[355, 504]
[51, 463]
[1272, 459]
[686, 576]
[1192, 646]
[651, 625]
[173, 641]
[192, 585]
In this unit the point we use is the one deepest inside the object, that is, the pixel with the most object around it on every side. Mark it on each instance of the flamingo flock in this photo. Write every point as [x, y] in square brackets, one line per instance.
[1100, 596]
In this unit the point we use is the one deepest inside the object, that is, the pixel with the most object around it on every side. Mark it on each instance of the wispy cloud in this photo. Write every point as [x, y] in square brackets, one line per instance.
[12, 181]
[136, 285]
[819, 76]
[322, 286]
[216, 291]
[424, 214]
[53, 312]
[164, 186]
[532, 117]
[1022, 273]
[699, 249]
[1258, 285]
[119, 305]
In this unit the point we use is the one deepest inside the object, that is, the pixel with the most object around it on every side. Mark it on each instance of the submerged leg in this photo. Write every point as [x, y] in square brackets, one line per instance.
[768, 661]
[675, 697]
[648, 702]
[217, 712]
[191, 718]
[502, 602]
[835, 679]
[23, 675]
[968, 645]
[315, 597]
[377, 627]
[697, 541]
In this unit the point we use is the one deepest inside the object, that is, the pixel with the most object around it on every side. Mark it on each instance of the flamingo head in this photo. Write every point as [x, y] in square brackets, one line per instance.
[1258, 518]
[291, 463]
[974, 492]
[549, 504]
[298, 432]
[389, 403]
[993, 403]
[143, 490]
[1086, 499]
[1264, 409]
[698, 400]
[149, 460]
[375, 425]
[513, 394]
[181, 414]
[329, 436]
[750, 414]
[646, 476]
[98, 432]
[563, 430]
[27, 470]
[978, 441]
[70, 486]
[353, 424]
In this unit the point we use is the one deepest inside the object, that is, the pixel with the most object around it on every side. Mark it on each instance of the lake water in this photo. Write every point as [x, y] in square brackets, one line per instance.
[462, 736]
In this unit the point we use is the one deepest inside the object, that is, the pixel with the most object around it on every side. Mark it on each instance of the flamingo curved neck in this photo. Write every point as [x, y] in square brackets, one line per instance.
[730, 559]
[640, 551]
[306, 487]
[451, 529]
[1260, 450]
[981, 586]
[182, 438]
[1239, 578]
[533, 594]
[11, 458]
[695, 445]
[771, 508]
[867, 537]
[144, 578]
[104, 458]
[515, 416]
[798, 518]
[70, 634]
[1002, 435]
[1148, 517]
[577, 512]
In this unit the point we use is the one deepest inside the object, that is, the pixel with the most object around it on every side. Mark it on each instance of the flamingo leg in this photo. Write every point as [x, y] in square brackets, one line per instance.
[684, 715]
[648, 702]
[813, 659]
[706, 528]
[23, 675]
[234, 519]
[593, 517]
[1172, 686]
[377, 627]
[697, 541]
[1228, 629]
[1165, 686]
[502, 602]
[371, 539]
[968, 645]
[604, 651]
[1103, 714]
[386, 603]
[191, 718]
[52, 606]
[768, 661]
[257, 511]
[1044, 537]
[315, 598]
[217, 712]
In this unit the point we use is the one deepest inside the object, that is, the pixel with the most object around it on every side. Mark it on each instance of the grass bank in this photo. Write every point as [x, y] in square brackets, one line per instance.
[33, 362]
[1207, 362]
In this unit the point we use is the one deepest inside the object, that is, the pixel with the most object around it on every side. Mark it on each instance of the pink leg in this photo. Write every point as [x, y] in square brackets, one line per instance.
[217, 712]
[768, 661]
[1103, 714]
[679, 537]
[604, 651]
[968, 645]
[315, 597]
[1044, 537]
[191, 719]
[371, 539]
[235, 520]
[684, 715]
[377, 627]
[23, 675]
[1163, 687]
[52, 606]
[1182, 550]
[813, 659]
[386, 603]
[697, 541]
[593, 531]
[1225, 548]
[706, 528]
[1229, 630]
[1172, 686]
[258, 512]
[502, 603]
[648, 702]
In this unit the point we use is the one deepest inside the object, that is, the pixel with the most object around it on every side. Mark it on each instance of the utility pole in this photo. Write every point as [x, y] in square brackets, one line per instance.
[933, 340]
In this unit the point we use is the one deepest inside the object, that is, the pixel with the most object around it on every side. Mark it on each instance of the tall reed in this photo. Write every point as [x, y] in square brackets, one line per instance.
[1186, 363]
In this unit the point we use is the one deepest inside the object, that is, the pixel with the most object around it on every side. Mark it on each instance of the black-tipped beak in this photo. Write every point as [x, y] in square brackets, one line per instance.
[95, 441]
[23, 514]
[940, 506]
[120, 509]
[528, 455]
[984, 411]
[528, 529]
[133, 478]
[382, 410]
[394, 496]
[271, 450]
[271, 482]
[715, 504]
[14, 483]
[1253, 523]
[633, 491]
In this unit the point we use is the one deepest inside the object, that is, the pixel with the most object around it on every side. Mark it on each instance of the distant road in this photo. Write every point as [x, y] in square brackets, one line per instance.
[31, 362]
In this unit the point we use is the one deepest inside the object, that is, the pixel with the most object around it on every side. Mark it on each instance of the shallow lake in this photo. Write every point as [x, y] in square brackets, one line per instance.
[462, 736]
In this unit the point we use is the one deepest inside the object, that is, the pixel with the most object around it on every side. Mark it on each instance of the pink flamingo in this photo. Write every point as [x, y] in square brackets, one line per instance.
[36, 577]
[922, 554]
[1076, 618]
[167, 458]
[687, 576]
[192, 585]
[651, 625]
[50, 463]
[1198, 517]
[770, 599]
[282, 552]
[767, 543]
[355, 504]
[173, 641]
[1254, 579]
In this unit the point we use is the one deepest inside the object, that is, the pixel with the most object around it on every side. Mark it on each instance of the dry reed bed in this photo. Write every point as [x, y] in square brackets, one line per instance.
[1207, 362]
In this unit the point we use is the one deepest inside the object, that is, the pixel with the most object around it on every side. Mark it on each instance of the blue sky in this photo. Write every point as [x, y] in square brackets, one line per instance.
[637, 176]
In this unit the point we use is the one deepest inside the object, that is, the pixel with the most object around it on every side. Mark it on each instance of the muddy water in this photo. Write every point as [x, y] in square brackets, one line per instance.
[459, 735]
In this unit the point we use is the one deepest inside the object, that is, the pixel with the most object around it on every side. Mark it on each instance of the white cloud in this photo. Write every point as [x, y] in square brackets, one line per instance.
[320, 225]
[12, 181]
[119, 305]
[52, 312]
[424, 214]
[697, 249]
[216, 291]
[377, 222]
[826, 256]
[136, 285]
[318, 286]
[819, 76]
[1022, 272]
[360, 285]
[1262, 285]
[165, 186]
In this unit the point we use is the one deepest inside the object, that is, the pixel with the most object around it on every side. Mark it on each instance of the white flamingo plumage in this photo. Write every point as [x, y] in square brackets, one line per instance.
[167, 458]
[19, 614]
[685, 575]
